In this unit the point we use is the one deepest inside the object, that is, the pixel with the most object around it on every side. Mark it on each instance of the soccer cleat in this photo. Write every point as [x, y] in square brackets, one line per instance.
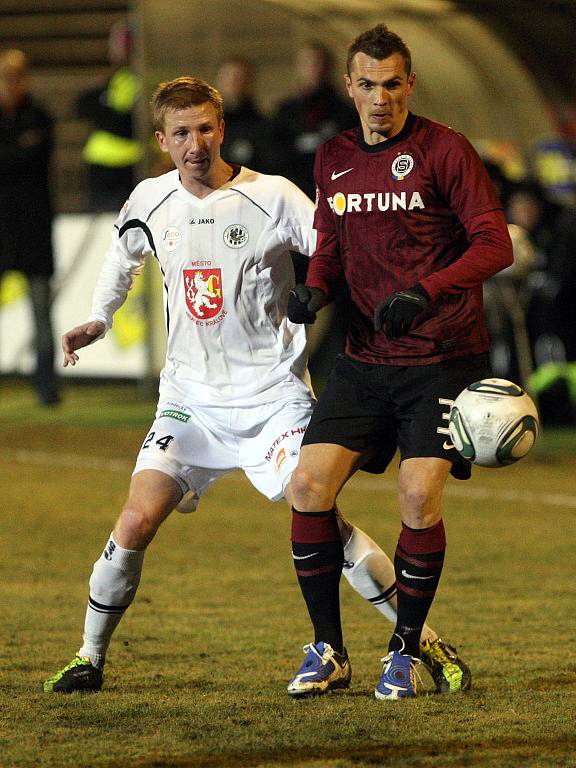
[323, 670]
[400, 678]
[448, 671]
[79, 675]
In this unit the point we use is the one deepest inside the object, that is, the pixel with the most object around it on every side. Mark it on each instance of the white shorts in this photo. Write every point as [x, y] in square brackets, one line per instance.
[196, 445]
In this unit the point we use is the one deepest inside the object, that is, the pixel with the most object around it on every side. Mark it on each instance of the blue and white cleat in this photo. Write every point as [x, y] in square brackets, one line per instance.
[400, 678]
[323, 670]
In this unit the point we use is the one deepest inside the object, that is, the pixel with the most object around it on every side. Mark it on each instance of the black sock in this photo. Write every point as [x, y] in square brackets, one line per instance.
[318, 557]
[418, 565]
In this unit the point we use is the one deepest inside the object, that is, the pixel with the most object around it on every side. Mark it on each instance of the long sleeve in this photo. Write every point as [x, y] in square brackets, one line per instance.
[123, 261]
[490, 251]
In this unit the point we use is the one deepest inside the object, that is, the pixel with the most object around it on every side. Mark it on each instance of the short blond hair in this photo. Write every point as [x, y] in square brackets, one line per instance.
[181, 93]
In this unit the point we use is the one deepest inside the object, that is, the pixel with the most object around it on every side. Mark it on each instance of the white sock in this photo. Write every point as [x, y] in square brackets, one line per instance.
[113, 584]
[370, 572]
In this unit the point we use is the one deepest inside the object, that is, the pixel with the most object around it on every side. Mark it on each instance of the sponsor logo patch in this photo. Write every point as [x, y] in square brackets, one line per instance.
[353, 202]
[171, 239]
[280, 458]
[284, 436]
[178, 415]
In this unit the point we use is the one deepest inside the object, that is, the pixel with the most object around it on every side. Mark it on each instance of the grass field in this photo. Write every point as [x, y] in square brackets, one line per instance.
[197, 670]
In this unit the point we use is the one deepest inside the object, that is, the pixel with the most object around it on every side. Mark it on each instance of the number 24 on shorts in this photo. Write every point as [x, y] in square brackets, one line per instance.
[162, 442]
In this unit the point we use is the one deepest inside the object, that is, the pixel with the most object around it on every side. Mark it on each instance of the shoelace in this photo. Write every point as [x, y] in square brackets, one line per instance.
[441, 653]
[415, 678]
[325, 657]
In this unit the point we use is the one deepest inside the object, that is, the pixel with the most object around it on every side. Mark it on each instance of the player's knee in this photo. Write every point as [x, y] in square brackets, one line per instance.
[136, 527]
[419, 505]
[308, 493]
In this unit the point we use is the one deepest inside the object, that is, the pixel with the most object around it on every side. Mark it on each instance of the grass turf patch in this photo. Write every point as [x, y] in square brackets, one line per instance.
[197, 669]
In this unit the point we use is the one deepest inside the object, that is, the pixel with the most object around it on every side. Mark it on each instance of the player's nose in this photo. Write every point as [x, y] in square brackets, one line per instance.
[194, 141]
[380, 96]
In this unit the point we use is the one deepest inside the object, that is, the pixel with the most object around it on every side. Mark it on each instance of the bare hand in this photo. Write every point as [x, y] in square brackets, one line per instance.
[79, 337]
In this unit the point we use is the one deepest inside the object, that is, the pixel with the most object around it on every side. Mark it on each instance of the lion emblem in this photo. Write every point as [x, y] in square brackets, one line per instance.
[203, 289]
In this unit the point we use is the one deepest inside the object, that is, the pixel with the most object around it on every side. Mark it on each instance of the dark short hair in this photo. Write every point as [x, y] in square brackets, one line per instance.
[181, 93]
[379, 43]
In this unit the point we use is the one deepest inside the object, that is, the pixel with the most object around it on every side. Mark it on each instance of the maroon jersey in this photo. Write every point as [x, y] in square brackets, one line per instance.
[417, 208]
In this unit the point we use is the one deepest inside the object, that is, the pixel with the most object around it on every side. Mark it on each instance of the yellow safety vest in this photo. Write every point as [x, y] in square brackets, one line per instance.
[108, 149]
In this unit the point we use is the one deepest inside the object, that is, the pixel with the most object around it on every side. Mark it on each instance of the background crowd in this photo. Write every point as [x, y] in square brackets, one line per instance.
[530, 306]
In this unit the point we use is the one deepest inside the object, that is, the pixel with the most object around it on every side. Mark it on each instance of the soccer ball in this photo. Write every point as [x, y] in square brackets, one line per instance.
[493, 423]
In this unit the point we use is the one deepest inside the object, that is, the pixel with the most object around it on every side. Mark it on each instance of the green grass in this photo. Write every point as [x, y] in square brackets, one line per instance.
[197, 670]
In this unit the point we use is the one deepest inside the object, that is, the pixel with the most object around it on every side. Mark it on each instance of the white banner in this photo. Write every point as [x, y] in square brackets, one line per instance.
[80, 241]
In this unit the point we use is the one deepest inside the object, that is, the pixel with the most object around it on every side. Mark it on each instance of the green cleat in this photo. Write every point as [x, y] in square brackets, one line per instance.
[448, 671]
[79, 675]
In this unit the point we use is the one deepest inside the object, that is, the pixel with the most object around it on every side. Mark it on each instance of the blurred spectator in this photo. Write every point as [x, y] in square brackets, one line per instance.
[499, 179]
[299, 126]
[247, 131]
[506, 298]
[302, 123]
[111, 152]
[551, 312]
[25, 206]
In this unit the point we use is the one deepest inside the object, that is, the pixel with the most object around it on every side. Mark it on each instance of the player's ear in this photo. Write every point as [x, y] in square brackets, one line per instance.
[348, 84]
[411, 81]
[161, 139]
[222, 126]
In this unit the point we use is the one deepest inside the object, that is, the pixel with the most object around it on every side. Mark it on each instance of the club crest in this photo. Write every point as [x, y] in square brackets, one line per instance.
[203, 290]
[402, 166]
[235, 236]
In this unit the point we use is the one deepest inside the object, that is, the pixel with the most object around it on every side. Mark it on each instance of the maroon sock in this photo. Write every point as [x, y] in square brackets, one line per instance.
[318, 557]
[418, 564]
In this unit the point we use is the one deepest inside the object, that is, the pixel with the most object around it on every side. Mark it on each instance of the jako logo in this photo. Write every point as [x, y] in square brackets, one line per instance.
[109, 551]
[374, 201]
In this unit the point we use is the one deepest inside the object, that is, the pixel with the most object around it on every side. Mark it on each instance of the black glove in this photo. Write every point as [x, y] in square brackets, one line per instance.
[400, 310]
[304, 302]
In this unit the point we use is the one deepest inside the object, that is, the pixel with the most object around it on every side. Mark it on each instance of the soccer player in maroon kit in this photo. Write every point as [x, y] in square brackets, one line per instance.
[408, 216]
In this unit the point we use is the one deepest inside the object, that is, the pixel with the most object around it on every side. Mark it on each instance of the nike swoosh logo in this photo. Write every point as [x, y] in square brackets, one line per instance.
[411, 576]
[341, 173]
[304, 557]
[447, 446]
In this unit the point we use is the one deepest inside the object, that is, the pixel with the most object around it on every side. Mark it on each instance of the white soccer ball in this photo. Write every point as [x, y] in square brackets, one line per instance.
[493, 423]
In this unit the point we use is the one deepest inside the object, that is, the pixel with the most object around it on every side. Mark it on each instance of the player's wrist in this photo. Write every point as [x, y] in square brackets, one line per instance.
[419, 289]
[400, 310]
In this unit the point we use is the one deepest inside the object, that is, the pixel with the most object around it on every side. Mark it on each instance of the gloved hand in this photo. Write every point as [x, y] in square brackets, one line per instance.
[304, 303]
[399, 311]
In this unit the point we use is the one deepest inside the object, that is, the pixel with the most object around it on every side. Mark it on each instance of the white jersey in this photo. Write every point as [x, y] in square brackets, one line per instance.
[226, 267]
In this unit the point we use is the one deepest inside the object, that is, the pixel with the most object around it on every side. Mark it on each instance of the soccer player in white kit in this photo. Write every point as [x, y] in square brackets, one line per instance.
[234, 391]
